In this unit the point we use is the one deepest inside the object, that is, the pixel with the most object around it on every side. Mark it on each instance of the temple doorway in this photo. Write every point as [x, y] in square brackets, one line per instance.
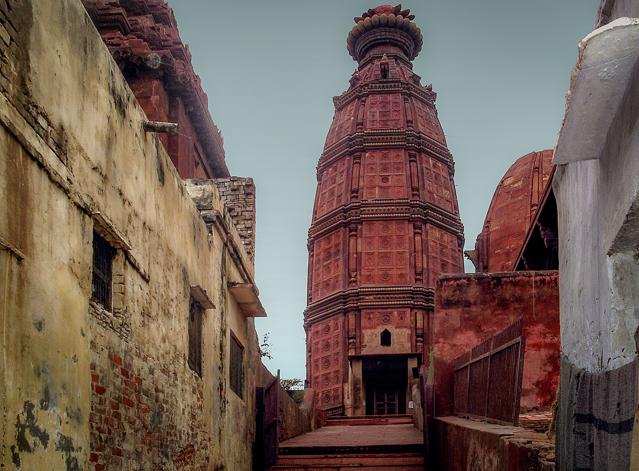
[385, 380]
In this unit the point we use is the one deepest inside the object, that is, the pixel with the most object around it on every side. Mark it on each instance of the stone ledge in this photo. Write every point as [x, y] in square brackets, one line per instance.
[490, 446]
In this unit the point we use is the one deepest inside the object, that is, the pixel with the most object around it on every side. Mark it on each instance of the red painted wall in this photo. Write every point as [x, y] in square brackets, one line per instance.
[470, 308]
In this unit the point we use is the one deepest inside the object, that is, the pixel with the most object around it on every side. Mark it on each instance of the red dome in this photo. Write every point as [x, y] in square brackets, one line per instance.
[511, 212]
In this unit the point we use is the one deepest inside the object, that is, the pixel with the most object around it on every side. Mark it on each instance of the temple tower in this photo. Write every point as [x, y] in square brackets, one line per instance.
[385, 225]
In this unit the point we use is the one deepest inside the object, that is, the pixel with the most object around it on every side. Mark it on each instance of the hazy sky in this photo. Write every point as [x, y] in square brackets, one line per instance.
[271, 67]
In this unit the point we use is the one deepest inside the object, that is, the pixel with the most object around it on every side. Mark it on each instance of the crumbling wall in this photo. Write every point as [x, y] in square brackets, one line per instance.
[470, 308]
[84, 388]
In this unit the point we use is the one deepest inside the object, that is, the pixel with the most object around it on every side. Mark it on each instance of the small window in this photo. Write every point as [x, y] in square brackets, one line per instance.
[195, 336]
[384, 70]
[102, 275]
[236, 371]
[385, 338]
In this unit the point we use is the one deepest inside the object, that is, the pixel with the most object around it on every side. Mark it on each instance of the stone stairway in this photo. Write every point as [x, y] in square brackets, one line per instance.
[382, 443]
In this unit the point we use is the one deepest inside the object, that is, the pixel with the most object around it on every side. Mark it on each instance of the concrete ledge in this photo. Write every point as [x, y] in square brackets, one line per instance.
[468, 444]
[607, 61]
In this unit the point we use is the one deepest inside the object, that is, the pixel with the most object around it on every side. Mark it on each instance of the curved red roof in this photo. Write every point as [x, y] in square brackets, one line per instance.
[511, 212]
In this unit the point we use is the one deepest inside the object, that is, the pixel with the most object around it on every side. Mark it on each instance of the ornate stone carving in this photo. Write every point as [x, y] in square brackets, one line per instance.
[386, 221]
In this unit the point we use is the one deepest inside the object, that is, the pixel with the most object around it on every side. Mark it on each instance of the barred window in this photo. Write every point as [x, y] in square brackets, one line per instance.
[236, 370]
[102, 276]
[195, 336]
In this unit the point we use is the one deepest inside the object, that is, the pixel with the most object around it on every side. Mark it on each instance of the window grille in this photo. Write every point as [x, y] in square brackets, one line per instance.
[236, 372]
[102, 276]
[195, 336]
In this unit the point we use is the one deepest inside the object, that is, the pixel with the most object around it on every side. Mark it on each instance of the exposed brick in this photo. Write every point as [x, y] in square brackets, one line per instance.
[238, 196]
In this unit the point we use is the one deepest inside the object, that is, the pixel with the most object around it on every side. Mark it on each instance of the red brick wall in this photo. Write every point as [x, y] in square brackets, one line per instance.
[471, 308]
[141, 412]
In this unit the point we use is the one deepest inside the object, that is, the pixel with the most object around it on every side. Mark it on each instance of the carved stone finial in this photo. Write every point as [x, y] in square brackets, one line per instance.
[398, 30]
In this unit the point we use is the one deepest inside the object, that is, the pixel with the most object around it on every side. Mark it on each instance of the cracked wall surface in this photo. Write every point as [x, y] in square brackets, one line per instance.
[83, 388]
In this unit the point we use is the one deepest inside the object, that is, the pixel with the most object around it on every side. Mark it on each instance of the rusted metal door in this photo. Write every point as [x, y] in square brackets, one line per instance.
[267, 426]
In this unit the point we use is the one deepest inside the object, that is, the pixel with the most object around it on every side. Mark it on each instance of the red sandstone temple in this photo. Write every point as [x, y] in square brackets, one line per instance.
[385, 226]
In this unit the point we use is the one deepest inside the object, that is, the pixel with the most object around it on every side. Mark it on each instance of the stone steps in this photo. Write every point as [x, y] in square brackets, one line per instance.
[370, 420]
[349, 462]
[356, 443]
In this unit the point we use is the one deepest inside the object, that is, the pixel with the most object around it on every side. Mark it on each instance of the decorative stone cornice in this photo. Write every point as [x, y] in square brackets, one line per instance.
[380, 139]
[424, 93]
[414, 210]
[414, 297]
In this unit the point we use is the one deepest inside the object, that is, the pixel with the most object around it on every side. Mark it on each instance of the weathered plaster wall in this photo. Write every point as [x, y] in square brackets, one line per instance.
[599, 286]
[84, 389]
[471, 308]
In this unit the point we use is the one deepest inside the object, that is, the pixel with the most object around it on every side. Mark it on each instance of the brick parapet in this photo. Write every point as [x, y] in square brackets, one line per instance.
[238, 196]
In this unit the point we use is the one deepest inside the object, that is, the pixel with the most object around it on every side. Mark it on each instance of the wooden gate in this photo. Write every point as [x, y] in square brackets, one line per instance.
[267, 426]
[487, 382]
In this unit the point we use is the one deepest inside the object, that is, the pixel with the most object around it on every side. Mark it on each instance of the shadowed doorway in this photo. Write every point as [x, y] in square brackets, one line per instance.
[385, 381]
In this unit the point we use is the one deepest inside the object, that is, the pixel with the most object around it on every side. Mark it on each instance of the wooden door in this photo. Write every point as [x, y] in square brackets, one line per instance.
[266, 445]
[386, 401]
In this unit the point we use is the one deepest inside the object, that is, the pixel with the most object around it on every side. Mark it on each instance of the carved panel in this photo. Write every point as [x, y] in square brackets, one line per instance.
[384, 111]
[444, 254]
[419, 252]
[328, 265]
[385, 253]
[438, 183]
[357, 163]
[352, 255]
[385, 174]
[427, 121]
[342, 124]
[327, 355]
[398, 322]
[332, 188]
